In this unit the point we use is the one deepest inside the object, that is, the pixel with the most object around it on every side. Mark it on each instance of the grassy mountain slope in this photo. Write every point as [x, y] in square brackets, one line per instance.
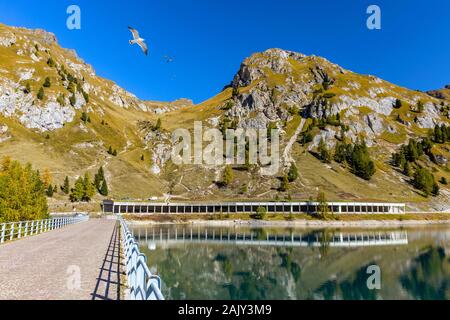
[272, 88]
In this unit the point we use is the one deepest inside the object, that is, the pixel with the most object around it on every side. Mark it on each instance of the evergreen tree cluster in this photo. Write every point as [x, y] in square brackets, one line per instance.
[424, 181]
[412, 151]
[225, 124]
[22, 192]
[74, 85]
[84, 188]
[112, 151]
[357, 157]
[321, 123]
[407, 158]
[440, 134]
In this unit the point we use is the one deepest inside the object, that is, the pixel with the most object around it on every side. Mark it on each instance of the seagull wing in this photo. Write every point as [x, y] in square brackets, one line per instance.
[143, 46]
[134, 32]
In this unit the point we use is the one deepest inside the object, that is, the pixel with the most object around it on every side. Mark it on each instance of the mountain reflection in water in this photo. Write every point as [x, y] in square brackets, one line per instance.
[294, 263]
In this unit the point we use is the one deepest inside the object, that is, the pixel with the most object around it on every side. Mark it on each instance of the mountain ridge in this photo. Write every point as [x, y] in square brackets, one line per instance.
[301, 95]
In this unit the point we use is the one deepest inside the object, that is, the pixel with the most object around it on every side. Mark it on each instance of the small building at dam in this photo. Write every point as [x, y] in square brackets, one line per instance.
[310, 207]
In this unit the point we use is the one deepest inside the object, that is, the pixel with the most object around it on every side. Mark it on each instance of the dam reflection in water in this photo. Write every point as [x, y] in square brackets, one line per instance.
[154, 237]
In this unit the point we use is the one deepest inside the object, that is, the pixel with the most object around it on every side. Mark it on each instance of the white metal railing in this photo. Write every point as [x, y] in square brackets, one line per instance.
[142, 283]
[21, 229]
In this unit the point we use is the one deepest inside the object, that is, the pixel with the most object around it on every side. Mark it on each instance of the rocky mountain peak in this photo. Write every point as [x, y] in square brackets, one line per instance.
[253, 68]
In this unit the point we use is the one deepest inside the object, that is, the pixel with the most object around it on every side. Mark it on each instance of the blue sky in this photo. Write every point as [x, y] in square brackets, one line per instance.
[209, 38]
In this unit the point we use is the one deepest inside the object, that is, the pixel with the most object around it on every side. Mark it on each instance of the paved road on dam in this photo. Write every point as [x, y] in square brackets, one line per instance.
[77, 262]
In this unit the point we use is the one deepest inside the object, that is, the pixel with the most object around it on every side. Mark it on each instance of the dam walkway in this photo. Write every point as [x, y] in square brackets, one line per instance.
[78, 262]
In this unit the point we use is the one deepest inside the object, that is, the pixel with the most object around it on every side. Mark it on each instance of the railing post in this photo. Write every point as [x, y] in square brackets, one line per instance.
[42, 226]
[11, 231]
[19, 231]
[26, 229]
[3, 233]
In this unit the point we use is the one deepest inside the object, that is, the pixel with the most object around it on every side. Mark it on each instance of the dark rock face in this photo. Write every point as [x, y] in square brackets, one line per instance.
[437, 94]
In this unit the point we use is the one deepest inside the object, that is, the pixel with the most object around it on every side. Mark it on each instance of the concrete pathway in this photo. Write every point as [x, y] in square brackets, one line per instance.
[77, 262]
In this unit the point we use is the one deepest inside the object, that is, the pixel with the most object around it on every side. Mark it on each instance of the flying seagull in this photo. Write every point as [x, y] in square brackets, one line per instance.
[168, 59]
[137, 39]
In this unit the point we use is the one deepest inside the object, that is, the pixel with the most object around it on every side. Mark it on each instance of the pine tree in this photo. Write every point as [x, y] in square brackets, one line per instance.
[228, 176]
[322, 207]
[420, 106]
[362, 165]
[47, 82]
[73, 100]
[61, 99]
[424, 181]
[27, 88]
[438, 134]
[51, 62]
[435, 190]
[340, 152]
[85, 96]
[104, 189]
[158, 125]
[88, 187]
[41, 94]
[77, 192]
[293, 173]
[398, 104]
[66, 186]
[324, 154]
[284, 186]
[49, 191]
[407, 169]
[98, 178]
[85, 117]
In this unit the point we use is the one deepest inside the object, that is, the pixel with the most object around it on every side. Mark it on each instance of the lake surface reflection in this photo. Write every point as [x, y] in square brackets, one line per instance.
[297, 263]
